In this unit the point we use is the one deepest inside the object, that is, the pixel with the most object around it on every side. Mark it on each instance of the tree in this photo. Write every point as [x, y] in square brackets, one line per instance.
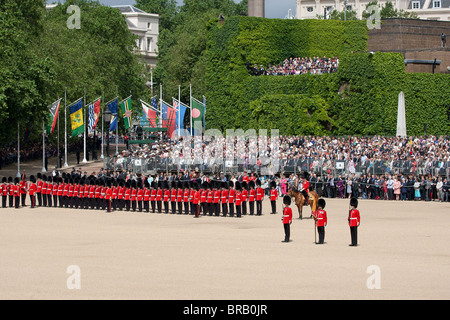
[389, 11]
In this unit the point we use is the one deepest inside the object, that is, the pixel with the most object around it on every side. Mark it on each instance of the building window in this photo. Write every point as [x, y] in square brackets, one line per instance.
[149, 26]
[416, 4]
[149, 44]
[139, 43]
[436, 3]
[310, 9]
[349, 8]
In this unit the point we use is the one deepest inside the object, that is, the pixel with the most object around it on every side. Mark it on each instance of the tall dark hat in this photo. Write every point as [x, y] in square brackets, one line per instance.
[287, 200]
[354, 202]
[321, 203]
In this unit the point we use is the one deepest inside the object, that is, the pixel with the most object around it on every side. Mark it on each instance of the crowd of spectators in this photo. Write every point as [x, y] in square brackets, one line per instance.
[296, 66]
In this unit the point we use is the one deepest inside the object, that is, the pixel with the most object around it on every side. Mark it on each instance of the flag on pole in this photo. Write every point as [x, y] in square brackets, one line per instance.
[125, 107]
[112, 106]
[54, 109]
[180, 113]
[76, 118]
[168, 117]
[197, 111]
[94, 114]
[151, 112]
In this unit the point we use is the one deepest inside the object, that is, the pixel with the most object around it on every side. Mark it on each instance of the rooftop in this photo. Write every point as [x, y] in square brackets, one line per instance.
[128, 9]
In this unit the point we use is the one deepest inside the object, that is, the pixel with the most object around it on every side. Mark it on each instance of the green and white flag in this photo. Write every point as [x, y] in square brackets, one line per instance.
[125, 107]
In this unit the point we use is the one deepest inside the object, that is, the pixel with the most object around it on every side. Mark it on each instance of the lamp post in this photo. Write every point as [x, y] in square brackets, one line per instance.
[345, 10]
[107, 117]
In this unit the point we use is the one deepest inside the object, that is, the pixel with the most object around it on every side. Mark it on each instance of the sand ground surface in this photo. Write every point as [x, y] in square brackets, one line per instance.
[403, 253]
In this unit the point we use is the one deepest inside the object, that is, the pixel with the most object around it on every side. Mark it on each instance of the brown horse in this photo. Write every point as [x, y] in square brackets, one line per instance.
[300, 200]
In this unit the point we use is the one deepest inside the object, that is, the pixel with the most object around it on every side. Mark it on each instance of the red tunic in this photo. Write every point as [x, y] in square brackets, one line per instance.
[287, 215]
[353, 218]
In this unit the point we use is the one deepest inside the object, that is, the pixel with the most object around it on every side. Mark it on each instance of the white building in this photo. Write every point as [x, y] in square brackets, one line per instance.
[425, 9]
[146, 27]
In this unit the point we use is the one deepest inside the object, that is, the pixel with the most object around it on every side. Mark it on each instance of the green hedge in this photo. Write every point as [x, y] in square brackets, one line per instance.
[361, 98]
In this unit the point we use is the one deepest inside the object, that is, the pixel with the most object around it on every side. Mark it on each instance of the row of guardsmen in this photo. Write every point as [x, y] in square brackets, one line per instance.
[211, 198]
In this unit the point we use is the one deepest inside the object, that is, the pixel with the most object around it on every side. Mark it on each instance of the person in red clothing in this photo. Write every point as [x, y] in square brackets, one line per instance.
[127, 195]
[166, 196]
[49, 190]
[224, 198]
[4, 191]
[216, 198]
[81, 193]
[231, 197]
[180, 197]
[273, 196]
[251, 197]
[238, 199]
[203, 197]
[55, 191]
[244, 197]
[320, 217]
[44, 190]
[353, 221]
[39, 188]
[173, 197]
[259, 197]
[209, 198]
[140, 194]
[120, 194]
[108, 195]
[287, 218]
[153, 193]
[305, 187]
[147, 193]
[23, 189]
[11, 192]
[133, 194]
[159, 195]
[32, 190]
[196, 200]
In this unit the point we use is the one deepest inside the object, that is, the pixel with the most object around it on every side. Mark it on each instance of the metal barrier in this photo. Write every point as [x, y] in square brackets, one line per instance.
[289, 166]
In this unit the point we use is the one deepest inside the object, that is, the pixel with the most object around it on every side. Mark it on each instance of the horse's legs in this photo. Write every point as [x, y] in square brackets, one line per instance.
[300, 210]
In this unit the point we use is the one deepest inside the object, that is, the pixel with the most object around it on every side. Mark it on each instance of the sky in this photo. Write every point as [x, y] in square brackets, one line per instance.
[274, 8]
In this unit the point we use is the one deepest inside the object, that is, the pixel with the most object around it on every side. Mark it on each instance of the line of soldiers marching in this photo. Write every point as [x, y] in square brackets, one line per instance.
[213, 198]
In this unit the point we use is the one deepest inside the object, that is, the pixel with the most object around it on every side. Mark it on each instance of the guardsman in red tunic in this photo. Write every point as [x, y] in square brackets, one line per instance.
[121, 194]
[180, 197]
[196, 200]
[55, 191]
[147, 193]
[224, 198]
[153, 194]
[16, 192]
[259, 197]
[251, 197]
[203, 197]
[216, 198]
[320, 217]
[76, 190]
[209, 198]
[44, 190]
[39, 188]
[86, 193]
[114, 192]
[108, 195]
[70, 193]
[354, 221]
[273, 196]
[23, 189]
[186, 194]
[32, 190]
[98, 191]
[191, 197]
[287, 218]
[159, 196]
[4, 191]
[81, 193]
[11, 192]
[49, 191]
[66, 192]
[133, 194]
[238, 199]
[127, 195]
[140, 195]
[166, 196]
[60, 192]
[173, 196]
[231, 197]
[244, 197]
[92, 193]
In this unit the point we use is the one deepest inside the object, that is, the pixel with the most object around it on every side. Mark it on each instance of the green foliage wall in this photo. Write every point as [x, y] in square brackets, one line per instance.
[361, 98]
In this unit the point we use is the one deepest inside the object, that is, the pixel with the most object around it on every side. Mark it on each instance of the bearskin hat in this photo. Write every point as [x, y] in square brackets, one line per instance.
[321, 203]
[354, 202]
[287, 200]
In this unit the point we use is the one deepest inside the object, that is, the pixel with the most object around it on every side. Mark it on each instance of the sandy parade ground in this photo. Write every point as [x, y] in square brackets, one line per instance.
[52, 253]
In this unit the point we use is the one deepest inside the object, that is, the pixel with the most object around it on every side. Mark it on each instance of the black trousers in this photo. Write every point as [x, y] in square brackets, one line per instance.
[23, 196]
[33, 200]
[244, 207]
[217, 209]
[251, 207]
[39, 197]
[258, 207]
[231, 209]
[158, 204]
[354, 235]
[238, 210]
[274, 206]
[321, 232]
[287, 231]
[180, 207]
[173, 205]
[211, 208]
[4, 201]
[139, 205]
[186, 207]
[55, 200]
[153, 205]
[166, 206]
[196, 208]
[146, 206]
[225, 209]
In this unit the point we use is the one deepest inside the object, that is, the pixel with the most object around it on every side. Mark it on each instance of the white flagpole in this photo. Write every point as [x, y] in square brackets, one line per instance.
[43, 146]
[190, 105]
[103, 137]
[179, 108]
[85, 128]
[18, 150]
[160, 109]
[65, 130]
